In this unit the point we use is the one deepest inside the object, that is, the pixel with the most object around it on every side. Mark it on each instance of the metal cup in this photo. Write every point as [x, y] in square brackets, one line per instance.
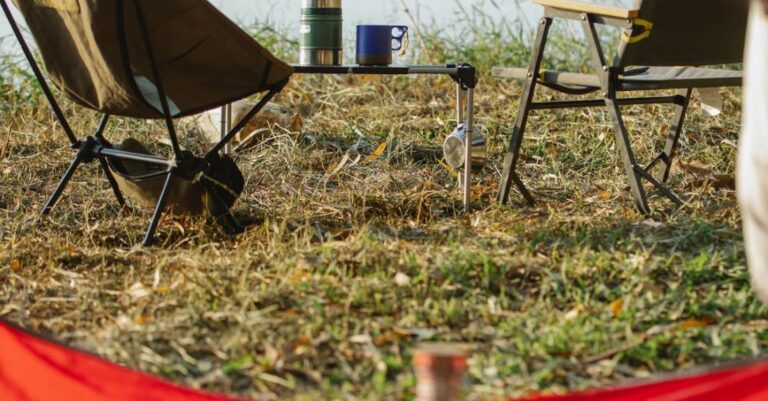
[454, 149]
[321, 32]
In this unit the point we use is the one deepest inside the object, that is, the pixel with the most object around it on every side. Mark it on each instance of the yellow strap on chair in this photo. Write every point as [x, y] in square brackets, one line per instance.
[202, 176]
[63, 5]
[648, 27]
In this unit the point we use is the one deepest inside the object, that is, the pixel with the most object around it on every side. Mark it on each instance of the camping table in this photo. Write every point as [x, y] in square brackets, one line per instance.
[465, 77]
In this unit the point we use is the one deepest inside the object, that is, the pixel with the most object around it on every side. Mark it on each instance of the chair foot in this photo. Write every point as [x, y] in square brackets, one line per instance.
[79, 158]
[510, 177]
[148, 238]
[112, 182]
[639, 197]
[222, 214]
[523, 190]
[232, 226]
[674, 197]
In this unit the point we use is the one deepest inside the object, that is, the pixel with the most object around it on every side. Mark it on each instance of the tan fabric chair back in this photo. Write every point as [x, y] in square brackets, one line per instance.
[688, 33]
[94, 51]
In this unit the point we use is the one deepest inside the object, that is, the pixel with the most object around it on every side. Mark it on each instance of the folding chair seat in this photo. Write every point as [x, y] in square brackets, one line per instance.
[665, 45]
[148, 59]
[645, 78]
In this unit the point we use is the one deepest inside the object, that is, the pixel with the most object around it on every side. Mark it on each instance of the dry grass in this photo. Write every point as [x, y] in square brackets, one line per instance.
[578, 291]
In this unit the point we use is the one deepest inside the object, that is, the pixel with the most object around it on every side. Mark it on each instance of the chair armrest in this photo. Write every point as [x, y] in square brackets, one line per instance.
[589, 8]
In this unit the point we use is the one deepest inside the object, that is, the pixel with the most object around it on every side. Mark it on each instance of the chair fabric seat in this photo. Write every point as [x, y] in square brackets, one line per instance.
[680, 77]
[638, 78]
[95, 52]
[674, 39]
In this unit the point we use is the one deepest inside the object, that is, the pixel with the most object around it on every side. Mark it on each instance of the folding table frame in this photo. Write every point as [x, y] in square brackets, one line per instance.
[466, 80]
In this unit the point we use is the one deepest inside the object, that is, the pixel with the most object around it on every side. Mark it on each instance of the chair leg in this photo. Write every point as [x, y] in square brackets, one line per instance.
[112, 182]
[159, 210]
[235, 227]
[661, 187]
[627, 155]
[79, 158]
[509, 175]
[673, 137]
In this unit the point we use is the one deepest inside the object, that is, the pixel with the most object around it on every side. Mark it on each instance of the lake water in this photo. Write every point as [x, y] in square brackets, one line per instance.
[445, 15]
[284, 14]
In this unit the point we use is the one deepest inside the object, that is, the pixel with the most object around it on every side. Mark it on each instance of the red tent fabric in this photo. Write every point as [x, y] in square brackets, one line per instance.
[746, 383]
[34, 369]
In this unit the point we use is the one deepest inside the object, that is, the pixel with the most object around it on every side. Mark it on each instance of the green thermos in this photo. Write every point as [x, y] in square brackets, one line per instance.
[321, 32]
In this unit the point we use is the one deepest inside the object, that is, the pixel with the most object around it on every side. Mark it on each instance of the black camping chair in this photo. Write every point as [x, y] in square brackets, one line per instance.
[146, 59]
[663, 46]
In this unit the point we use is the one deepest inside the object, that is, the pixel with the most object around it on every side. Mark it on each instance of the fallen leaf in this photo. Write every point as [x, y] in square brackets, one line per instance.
[696, 170]
[138, 291]
[723, 181]
[361, 339]
[389, 337]
[574, 313]
[378, 152]
[297, 124]
[652, 224]
[402, 279]
[300, 276]
[691, 324]
[552, 151]
[343, 163]
[124, 322]
[452, 171]
[616, 307]
[422, 334]
[705, 176]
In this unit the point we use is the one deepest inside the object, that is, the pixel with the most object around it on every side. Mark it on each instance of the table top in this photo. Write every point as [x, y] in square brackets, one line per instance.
[450, 69]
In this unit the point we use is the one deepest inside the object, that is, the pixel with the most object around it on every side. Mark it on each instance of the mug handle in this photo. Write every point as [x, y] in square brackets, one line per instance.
[399, 41]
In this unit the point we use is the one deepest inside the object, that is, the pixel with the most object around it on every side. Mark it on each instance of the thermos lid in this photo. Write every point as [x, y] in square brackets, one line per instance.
[321, 3]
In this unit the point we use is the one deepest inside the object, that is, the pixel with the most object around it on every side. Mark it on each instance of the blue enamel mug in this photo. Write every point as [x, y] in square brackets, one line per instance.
[375, 43]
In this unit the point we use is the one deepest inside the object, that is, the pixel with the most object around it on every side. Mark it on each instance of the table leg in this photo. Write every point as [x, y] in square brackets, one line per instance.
[459, 121]
[468, 149]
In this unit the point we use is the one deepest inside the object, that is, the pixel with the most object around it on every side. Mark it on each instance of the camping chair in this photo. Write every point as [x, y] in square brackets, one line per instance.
[146, 59]
[663, 45]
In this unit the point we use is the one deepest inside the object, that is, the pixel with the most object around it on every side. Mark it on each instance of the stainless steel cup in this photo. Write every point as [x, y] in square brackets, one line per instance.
[454, 150]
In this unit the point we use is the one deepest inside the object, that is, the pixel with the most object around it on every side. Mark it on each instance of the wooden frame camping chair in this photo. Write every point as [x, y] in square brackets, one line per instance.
[664, 44]
[147, 59]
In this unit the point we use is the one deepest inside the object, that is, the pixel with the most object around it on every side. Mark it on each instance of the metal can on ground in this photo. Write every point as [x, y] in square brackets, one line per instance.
[440, 370]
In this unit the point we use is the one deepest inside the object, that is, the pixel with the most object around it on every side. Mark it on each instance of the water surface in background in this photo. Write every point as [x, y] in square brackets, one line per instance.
[284, 15]
[443, 15]
[445, 12]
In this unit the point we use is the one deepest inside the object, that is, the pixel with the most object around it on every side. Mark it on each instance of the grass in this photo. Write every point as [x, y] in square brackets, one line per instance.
[576, 292]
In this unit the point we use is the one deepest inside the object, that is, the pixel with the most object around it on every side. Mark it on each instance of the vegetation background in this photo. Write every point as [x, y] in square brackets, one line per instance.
[348, 266]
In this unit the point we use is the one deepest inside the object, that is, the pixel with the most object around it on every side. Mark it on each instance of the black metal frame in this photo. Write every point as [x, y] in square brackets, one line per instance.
[609, 76]
[96, 147]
